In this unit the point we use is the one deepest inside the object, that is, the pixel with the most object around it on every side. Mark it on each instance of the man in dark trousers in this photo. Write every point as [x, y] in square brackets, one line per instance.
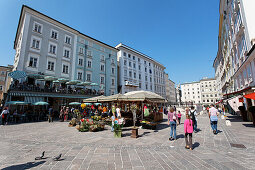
[50, 114]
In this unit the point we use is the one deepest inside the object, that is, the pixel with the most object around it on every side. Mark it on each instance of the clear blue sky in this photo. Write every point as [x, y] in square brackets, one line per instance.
[181, 34]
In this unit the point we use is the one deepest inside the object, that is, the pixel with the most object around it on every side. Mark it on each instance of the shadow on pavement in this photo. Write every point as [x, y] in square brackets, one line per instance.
[195, 145]
[162, 126]
[144, 133]
[27, 165]
[249, 125]
[180, 136]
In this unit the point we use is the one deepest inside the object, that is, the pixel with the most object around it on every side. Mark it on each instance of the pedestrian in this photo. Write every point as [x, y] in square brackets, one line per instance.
[193, 114]
[4, 115]
[66, 113]
[213, 113]
[188, 130]
[61, 115]
[172, 122]
[179, 117]
[113, 119]
[50, 114]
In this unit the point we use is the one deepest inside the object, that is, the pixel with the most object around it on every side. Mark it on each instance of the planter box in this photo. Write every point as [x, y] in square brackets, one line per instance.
[134, 133]
[117, 133]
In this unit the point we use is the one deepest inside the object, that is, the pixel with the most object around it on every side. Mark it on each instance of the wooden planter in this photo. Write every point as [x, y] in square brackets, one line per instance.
[134, 133]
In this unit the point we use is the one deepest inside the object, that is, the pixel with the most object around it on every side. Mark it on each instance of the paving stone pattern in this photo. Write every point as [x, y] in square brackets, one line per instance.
[21, 143]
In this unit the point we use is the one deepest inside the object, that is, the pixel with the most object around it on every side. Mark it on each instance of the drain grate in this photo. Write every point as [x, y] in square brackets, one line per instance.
[237, 145]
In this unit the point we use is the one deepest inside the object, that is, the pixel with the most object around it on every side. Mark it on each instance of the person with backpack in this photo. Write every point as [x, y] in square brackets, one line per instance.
[172, 122]
[4, 116]
[193, 114]
[188, 130]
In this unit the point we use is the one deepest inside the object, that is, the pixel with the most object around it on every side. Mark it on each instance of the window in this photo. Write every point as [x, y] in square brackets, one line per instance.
[134, 65]
[67, 39]
[139, 67]
[150, 71]
[149, 64]
[3, 73]
[145, 78]
[65, 69]
[129, 55]
[35, 43]
[125, 62]
[52, 49]
[50, 65]
[79, 76]
[207, 100]
[102, 80]
[124, 54]
[125, 72]
[88, 77]
[102, 67]
[37, 27]
[150, 79]
[211, 100]
[32, 62]
[130, 64]
[146, 86]
[113, 61]
[138, 59]
[140, 85]
[89, 64]
[211, 95]
[66, 53]
[133, 57]
[80, 62]
[102, 57]
[81, 50]
[89, 53]
[215, 95]
[112, 82]
[145, 69]
[140, 77]
[130, 73]
[112, 70]
[144, 62]
[54, 34]
[134, 75]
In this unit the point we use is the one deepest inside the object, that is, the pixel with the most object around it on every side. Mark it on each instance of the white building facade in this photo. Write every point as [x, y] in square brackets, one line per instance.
[191, 92]
[137, 71]
[233, 71]
[209, 93]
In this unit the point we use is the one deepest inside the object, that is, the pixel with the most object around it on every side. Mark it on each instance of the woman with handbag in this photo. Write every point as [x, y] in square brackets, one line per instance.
[172, 122]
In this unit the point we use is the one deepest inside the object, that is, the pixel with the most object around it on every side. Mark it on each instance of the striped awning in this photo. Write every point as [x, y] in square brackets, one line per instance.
[33, 99]
[17, 74]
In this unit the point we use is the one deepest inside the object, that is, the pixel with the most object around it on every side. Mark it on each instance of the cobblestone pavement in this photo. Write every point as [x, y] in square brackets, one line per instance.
[21, 143]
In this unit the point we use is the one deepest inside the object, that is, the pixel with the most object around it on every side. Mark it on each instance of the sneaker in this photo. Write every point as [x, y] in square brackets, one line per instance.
[214, 131]
[186, 147]
[170, 138]
[191, 149]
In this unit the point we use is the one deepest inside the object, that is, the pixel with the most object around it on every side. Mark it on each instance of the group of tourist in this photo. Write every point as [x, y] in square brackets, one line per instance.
[190, 124]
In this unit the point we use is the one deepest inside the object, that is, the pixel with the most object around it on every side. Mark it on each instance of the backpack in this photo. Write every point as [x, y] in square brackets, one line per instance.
[192, 115]
[165, 111]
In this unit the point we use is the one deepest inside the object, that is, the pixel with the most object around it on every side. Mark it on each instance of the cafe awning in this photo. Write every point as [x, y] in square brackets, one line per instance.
[250, 96]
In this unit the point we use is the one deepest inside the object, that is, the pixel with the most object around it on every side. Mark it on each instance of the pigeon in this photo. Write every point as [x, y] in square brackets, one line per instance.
[40, 157]
[57, 158]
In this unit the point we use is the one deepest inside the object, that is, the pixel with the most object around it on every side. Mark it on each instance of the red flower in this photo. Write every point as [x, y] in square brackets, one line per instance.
[87, 120]
[82, 120]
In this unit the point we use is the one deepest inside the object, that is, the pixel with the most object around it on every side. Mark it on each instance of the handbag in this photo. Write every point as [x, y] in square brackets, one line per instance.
[174, 117]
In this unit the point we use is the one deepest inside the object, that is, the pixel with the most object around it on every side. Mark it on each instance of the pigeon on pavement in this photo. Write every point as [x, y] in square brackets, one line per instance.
[40, 157]
[57, 158]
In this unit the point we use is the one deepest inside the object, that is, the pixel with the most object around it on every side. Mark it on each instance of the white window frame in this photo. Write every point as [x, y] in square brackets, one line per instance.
[36, 23]
[102, 58]
[64, 52]
[56, 49]
[37, 61]
[53, 30]
[64, 70]
[88, 73]
[102, 81]
[79, 75]
[67, 36]
[37, 39]
[50, 65]
[101, 67]
[80, 64]
[89, 66]
[89, 53]
[113, 82]
[81, 50]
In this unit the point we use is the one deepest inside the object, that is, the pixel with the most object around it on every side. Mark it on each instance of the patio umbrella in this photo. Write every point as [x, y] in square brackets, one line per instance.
[88, 103]
[97, 104]
[74, 103]
[93, 99]
[17, 103]
[143, 95]
[85, 83]
[17, 74]
[56, 81]
[36, 76]
[116, 97]
[63, 80]
[40, 103]
[50, 78]
[94, 84]
[73, 82]
[40, 80]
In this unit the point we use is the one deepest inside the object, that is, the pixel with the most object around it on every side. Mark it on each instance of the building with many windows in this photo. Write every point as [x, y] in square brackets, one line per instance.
[209, 92]
[48, 47]
[191, 93]
[170, 90]
[138, 71]
[236, 37]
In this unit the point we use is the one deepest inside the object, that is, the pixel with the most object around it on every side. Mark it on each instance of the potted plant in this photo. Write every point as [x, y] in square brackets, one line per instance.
[252, 110]
[243, 112]
[118, 124]
[84, 127]
[72, 122]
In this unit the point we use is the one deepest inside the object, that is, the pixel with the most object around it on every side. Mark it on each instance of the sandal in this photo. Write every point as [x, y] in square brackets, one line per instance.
[186, 147]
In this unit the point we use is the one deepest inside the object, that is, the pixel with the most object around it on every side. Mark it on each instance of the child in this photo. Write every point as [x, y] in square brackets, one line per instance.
[188, 130]
[179, 117]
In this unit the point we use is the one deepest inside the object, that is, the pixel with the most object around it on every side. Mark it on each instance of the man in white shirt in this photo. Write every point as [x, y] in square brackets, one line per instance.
[213, 113]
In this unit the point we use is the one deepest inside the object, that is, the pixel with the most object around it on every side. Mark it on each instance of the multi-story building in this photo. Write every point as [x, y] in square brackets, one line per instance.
[167, 83]
[178, 94]
[201, 92]
[191, 93]
[48, 47]
[209, 92]
[5, 80]
[233, 71]
[172, 92]
[138, 71]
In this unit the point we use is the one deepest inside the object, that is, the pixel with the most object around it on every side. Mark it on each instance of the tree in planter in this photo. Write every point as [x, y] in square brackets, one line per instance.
[134, 108]
[243, 112]
[252, 110]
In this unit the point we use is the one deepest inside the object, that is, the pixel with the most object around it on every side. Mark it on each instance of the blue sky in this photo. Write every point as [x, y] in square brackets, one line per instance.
[180, 34]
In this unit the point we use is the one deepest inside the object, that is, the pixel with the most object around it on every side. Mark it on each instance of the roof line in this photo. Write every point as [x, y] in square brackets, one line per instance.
[140, 53]
[25, 6]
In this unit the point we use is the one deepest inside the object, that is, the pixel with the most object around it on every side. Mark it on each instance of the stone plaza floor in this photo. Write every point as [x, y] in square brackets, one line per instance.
[21, 143]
